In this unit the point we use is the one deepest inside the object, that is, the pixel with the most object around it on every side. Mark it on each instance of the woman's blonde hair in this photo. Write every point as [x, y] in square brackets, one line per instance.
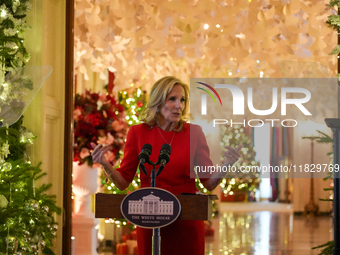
[158, 94]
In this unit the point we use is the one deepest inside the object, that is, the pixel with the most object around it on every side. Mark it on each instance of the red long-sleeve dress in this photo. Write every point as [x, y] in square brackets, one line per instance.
[188, 148]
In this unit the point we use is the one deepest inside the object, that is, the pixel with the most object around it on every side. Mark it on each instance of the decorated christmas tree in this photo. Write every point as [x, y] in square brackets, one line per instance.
[247, 181]
[27, 211]
[334, 23]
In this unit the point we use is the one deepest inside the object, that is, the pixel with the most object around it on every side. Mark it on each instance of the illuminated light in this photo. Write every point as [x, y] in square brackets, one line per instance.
[231, 59]
[240, 36]
[221, 30]
[73, 238]
[3, 13]
[130, 122]
[124, 92]
[127, 117]
[261, 74]
[124, 223]
[231, 193]
[257, 61]
[230, 73]
[206, 26]
[217, 25]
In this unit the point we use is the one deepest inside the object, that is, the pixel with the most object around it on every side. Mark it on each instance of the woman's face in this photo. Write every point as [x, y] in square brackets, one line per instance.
[171, 109]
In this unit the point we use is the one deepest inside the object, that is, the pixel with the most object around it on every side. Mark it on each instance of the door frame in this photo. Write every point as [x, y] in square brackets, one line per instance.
[68, 130]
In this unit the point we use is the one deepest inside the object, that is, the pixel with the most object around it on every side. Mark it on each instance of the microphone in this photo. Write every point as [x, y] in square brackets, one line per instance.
[143, 157]
[164, 157]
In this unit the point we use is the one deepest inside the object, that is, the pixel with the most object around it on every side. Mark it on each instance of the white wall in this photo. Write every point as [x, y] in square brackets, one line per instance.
[45, 41]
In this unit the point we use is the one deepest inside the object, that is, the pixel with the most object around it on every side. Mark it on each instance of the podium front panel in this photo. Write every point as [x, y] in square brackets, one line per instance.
[194, 207]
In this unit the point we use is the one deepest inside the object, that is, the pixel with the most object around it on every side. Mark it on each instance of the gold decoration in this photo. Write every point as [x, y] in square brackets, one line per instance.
[139, 38]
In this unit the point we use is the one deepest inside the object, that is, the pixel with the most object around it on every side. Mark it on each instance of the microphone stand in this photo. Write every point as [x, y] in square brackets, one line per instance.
[156, 232]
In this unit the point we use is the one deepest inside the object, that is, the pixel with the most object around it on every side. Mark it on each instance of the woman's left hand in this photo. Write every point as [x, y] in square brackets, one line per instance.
[231, 155]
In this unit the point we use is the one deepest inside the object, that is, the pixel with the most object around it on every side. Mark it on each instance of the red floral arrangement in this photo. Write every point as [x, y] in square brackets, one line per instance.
[99, 119]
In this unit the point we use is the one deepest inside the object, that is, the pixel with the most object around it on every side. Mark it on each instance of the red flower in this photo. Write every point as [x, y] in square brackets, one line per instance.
[96, 119]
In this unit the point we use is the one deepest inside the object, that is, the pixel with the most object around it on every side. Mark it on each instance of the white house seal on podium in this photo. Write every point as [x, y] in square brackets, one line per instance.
[150, 208]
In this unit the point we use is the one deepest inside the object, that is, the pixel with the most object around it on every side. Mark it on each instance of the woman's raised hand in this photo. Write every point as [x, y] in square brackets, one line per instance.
[98, 153]
[232, 155]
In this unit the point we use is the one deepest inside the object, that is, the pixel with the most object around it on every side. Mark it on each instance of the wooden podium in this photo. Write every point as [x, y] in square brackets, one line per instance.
[193, 207]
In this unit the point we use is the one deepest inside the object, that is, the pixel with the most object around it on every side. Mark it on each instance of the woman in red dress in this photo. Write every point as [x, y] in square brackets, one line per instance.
[164, 123]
